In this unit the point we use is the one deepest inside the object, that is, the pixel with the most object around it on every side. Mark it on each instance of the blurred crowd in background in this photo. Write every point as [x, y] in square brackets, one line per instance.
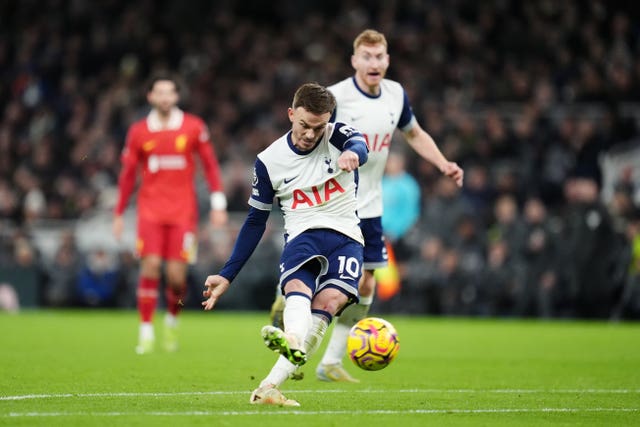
[539, 102]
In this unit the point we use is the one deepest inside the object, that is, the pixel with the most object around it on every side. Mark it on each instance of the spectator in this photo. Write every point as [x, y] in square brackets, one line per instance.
[98, 281]
[422, 284]
[443, 210]
[628, 304]
[401, 203]
[500, 286]
[63, 272]
[539, 252]
[9, 298]
[69, 95]
[591, 251]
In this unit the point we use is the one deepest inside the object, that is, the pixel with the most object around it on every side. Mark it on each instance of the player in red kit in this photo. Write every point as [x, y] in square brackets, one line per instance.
[163, 147]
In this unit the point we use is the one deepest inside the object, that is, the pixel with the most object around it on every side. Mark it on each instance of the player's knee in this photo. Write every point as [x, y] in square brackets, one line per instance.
[150, 267]
[330, 300]
[176, 283]
[298, 286]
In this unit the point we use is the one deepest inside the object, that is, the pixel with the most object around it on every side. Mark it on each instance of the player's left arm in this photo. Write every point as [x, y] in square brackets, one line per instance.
[218, 215]
[425, 146]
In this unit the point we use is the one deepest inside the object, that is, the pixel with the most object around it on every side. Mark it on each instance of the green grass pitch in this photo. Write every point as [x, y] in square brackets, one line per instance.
[78, 368]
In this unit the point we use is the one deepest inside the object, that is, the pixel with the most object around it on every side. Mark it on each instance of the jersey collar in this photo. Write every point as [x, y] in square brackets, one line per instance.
[368, 95]
[300, 152]
[175, 120]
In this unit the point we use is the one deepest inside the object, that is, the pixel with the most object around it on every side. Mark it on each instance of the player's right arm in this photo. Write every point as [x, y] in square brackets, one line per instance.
[248, 238]
[247, 241]
[352, 144]
[126, 180]
[215, 286]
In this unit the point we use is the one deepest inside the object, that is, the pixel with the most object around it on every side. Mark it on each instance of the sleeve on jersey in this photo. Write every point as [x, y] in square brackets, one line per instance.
[359, 147]
[247, 241]
[345, 137]
[127, 179]
[262, 192]
[407, 118]
[332, 119]
[209, 161]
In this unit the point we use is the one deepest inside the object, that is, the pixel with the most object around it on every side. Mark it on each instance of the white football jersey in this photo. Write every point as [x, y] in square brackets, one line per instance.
[312, 191]
[376, 117]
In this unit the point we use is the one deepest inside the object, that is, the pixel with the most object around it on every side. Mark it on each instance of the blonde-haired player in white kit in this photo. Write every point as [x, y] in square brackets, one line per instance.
[376, 107]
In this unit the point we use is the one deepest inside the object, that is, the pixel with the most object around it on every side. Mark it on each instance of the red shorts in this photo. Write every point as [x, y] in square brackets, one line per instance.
[170, 241]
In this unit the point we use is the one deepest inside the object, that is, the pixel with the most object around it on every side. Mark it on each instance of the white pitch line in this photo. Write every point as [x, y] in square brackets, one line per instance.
[417, 391]
[299, 412]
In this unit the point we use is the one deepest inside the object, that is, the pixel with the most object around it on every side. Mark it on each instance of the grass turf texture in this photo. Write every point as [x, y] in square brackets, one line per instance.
[78, 368]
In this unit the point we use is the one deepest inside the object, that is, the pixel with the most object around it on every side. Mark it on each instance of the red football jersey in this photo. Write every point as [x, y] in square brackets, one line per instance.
[166, 157]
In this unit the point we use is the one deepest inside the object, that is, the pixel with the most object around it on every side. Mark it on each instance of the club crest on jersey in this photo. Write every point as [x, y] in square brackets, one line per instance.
[318, 194]
[327, 161]
[181, 142]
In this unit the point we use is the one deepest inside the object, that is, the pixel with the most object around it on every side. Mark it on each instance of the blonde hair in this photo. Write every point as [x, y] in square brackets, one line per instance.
[368, 37]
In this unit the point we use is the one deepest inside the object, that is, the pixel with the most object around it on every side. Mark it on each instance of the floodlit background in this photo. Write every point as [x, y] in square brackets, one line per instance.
[538, 101]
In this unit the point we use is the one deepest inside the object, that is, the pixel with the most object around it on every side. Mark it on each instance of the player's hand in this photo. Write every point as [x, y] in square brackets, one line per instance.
[117, 227]
[218, 217]
[348, 161]
[215, 286]
[453, 171]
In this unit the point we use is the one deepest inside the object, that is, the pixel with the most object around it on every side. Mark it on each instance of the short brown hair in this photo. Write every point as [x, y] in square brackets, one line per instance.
[369, 36]
[162, 77]
[314, 98]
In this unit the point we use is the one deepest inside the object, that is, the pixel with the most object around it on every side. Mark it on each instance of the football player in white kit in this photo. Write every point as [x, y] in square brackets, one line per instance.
[376, 106]
[312, 171]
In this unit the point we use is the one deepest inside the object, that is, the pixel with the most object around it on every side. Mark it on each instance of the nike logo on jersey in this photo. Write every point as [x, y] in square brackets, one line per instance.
[149, 145]
[288, 180]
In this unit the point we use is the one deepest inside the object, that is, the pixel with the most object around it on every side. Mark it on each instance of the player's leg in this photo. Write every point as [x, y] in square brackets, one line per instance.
[268, 392]
[325, 304]
[175, 294]
[299, 286]
[148, 247]
[331, 367]
[181, 249]
[147, 298]
[288, 343]
[277, 308]
[375, 256]
[301, 265]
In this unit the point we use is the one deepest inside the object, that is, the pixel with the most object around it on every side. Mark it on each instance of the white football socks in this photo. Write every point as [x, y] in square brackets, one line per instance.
[170, 320]
[298, 324]
[316, 333]
[146, 331]
[297, 318]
